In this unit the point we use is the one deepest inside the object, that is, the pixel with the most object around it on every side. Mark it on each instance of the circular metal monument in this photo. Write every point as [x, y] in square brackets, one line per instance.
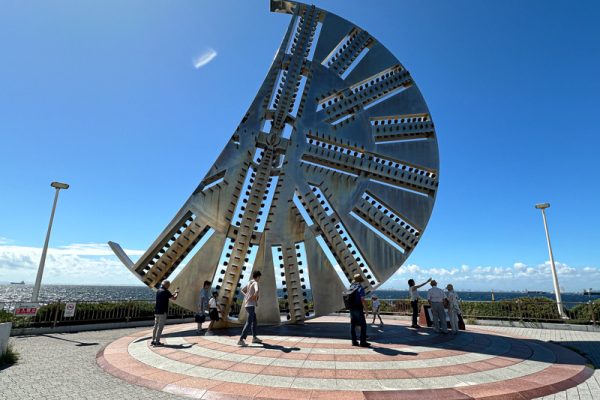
[333, 171]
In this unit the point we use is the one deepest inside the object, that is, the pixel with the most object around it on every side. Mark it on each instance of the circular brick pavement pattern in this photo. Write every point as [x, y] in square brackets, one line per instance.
[314, 361]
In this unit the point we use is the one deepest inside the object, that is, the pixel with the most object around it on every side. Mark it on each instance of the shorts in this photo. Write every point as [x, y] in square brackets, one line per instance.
[213, 314]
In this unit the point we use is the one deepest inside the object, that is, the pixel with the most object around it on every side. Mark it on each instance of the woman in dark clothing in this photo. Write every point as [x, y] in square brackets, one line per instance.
[414, 300]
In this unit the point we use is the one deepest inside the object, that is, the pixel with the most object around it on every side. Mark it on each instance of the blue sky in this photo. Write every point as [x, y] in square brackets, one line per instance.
[107, 97]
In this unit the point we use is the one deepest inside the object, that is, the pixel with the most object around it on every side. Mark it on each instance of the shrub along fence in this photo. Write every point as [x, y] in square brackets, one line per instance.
[50, 315]
[522, 309]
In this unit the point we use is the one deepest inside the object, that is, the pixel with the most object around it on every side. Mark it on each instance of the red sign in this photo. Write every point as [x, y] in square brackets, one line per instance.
[27, 310]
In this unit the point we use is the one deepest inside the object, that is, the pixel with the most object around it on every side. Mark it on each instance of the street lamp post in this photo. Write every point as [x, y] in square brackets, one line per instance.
[561, 311]
[38, 279]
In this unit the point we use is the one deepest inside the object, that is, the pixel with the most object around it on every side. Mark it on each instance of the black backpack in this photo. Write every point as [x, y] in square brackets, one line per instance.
[352, 298]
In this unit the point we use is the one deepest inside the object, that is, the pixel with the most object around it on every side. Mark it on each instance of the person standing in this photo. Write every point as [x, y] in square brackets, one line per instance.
[375, 305]
[250, 293]
[160, 311]
[357, 312]
[215, 310]
[203, 304]
[453, 307]
[436, 297]
[414, 300]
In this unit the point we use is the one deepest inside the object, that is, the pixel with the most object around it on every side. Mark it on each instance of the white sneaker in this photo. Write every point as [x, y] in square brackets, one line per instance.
[242, 343]
[256, 340]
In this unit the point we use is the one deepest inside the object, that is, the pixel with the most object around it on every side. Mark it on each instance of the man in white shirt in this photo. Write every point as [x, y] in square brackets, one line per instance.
[436, 297]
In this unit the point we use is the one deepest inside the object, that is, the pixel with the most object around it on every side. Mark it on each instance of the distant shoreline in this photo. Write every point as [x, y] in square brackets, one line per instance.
[378, 290]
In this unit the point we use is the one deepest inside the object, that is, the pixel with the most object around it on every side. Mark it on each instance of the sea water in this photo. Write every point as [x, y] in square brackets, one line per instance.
[50, 293]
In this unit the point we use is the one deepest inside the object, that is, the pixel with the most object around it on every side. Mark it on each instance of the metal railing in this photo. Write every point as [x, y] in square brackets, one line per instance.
[89, 312]
[535, 310]
[532, 310]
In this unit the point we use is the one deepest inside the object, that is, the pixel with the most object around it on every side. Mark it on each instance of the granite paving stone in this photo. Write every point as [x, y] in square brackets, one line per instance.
[64, 366]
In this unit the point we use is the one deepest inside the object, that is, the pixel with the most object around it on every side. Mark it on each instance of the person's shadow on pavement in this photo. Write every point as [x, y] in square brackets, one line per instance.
[280, 348]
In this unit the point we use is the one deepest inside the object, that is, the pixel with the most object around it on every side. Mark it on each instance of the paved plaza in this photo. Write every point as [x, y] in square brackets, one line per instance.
[310, 361]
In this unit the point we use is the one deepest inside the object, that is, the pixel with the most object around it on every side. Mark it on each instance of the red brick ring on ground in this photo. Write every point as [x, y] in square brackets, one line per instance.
[403, 364]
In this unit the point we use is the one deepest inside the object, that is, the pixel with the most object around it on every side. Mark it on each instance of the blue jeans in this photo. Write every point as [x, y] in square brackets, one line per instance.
[357, 317]
[251, 323]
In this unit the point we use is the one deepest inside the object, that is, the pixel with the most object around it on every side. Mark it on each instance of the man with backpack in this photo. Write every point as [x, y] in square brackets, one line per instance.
[354, 300]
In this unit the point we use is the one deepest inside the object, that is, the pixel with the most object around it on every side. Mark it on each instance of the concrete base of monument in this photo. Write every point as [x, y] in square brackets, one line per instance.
[317, 360]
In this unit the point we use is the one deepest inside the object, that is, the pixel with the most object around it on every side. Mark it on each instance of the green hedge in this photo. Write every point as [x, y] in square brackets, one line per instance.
[9, 358]
[6, 316]
[525, 308]
[583, 312]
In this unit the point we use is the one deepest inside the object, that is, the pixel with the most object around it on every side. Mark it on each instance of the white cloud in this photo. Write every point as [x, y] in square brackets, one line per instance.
[204, 58]
[84, 263]
[93, 263]
[4, 240]
[519, 276]
[519, 266]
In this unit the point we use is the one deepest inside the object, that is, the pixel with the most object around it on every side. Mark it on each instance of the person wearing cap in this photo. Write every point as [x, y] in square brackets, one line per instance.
[160, 311]
[453, 307]
[357, 313]
[436, 297]
[375, 305]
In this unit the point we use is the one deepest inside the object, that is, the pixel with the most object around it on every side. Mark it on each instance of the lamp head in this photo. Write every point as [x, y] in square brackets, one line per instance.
[59, 185]
[541, 206]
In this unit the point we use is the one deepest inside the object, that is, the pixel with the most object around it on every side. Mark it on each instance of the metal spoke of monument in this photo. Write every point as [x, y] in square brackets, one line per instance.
[40, 273]
[559, 304]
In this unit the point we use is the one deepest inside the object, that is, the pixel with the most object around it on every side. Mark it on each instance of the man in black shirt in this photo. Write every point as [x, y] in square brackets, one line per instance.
[160, 311]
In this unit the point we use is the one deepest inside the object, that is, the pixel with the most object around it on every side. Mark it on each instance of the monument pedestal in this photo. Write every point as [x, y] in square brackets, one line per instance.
[426, 319]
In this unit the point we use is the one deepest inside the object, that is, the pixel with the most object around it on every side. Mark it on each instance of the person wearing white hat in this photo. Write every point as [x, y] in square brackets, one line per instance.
[453, 307]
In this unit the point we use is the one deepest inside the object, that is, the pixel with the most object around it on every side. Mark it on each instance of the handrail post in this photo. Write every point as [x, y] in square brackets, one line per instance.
[57, 307]
[128, 317]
